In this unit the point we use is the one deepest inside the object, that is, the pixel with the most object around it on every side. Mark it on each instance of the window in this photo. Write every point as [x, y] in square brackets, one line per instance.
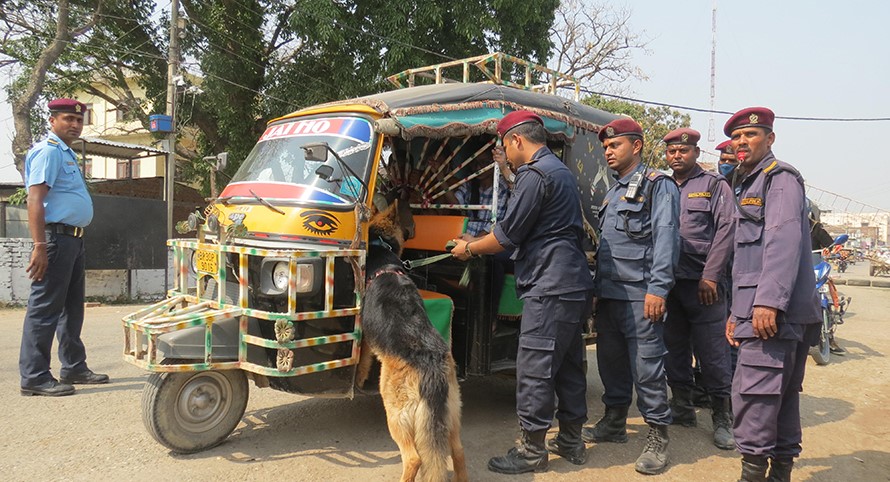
[88, 167]
[88, 115]
[123, 169]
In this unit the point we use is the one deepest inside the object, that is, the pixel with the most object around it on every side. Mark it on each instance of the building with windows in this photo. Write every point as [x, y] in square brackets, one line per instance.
[869, 229]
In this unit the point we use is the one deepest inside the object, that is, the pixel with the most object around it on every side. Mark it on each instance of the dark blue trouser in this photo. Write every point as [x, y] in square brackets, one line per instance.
[550, 361]
[705, 326]
[766, 395]
[55, 306]
[630, 353]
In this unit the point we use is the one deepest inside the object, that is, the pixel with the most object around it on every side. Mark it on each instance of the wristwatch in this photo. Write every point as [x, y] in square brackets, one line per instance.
[467, 250]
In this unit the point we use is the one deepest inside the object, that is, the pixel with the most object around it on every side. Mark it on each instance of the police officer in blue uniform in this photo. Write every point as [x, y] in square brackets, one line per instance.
[59, 207]
[639, 246]
[696, 308]
[543, 224]
[775, 316]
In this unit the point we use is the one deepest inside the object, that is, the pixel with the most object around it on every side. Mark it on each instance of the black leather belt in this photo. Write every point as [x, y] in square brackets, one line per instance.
[66, 229]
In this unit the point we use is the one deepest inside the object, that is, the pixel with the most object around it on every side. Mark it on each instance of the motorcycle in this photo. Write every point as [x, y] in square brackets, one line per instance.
[832, 305]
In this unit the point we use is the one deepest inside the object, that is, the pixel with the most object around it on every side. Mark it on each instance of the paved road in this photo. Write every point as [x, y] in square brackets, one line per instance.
[97, 434]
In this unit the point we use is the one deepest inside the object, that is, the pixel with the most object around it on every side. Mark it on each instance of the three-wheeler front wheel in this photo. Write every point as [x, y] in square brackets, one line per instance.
[188, 412]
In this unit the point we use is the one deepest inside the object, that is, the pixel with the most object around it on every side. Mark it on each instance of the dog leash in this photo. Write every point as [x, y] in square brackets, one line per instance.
[416, 263]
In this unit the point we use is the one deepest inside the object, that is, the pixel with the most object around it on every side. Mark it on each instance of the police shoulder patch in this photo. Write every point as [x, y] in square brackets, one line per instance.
[52, 142]
[694, 195]
[653, 175]
[751, 201]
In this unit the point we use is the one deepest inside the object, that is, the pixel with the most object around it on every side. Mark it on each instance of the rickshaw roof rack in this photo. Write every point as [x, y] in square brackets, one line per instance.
[492, 67]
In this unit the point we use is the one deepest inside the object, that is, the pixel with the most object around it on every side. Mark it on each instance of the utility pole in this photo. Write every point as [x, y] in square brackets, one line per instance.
[172, 72]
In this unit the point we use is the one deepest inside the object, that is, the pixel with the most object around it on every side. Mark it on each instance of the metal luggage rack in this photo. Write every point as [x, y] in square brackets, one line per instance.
[183, 310]
[492, 67]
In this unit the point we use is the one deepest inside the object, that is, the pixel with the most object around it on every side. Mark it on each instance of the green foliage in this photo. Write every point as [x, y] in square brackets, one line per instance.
[19, 197]
[656, 121]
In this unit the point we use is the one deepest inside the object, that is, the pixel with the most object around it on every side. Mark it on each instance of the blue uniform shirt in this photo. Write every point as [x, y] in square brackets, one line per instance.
[639, 240]
[772, 265]
[543, 224]
[706, 226]
[51, 162]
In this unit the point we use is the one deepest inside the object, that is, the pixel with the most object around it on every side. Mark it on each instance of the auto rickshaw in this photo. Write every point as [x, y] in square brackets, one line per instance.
[270, 289]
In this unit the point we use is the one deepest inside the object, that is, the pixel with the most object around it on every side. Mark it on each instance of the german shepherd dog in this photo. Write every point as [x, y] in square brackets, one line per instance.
[418, 380]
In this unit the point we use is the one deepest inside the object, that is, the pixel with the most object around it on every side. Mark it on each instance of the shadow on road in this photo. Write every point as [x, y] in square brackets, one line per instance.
[820, 410]
[855, 350]
[861, 465]
[353, 433]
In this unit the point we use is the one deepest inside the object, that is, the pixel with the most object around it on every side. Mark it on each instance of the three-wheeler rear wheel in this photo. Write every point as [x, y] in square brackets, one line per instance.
[192, 411]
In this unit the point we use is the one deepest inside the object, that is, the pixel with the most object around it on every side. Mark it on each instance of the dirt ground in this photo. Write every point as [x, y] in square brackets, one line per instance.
[98, 434]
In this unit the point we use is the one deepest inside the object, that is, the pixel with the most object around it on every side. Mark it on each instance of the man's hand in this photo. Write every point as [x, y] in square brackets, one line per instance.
[39, 261]
[730, 331]
[459, 250]
[764, 322]
[707, 292]
[654, 307]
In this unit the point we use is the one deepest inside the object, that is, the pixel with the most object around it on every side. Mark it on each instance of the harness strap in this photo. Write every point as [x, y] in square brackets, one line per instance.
[416, 263]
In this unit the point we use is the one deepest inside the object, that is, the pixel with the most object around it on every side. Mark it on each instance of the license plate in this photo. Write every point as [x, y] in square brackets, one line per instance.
[207, 262]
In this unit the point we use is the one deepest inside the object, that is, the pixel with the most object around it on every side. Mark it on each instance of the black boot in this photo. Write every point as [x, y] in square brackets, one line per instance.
[780, 470]
[611, 428]
[754, 468]
[529, 455]
[654, 458]
[568, 444]
[721, 416]
[682, 410]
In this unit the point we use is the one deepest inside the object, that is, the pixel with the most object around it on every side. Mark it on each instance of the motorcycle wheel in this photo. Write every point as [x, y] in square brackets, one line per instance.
[822, 352]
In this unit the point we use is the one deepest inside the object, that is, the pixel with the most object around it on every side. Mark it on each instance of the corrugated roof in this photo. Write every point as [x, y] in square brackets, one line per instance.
[117, 150]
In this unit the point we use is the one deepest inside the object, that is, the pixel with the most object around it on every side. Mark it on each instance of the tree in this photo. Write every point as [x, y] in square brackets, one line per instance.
[594, 43]
[258, 59]
[44, 33]
[656, 121]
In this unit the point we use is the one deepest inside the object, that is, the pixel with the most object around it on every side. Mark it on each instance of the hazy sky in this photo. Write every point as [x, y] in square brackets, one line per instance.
[800, 58]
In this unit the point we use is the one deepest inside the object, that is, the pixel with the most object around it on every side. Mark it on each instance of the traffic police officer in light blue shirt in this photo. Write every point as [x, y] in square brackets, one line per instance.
[637, 256]
[543, 224]
[775, 311]
[59, 207]
[696, 307]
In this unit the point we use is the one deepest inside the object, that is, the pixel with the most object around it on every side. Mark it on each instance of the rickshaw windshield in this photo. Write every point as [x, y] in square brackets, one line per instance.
[277, 169]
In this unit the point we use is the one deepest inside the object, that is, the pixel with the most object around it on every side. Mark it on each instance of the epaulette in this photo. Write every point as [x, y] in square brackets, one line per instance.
[52, 142]
[778, 166]
[548, 187]
[655, 175]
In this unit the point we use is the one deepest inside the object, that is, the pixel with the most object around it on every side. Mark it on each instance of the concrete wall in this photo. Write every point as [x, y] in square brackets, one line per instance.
[103, 285]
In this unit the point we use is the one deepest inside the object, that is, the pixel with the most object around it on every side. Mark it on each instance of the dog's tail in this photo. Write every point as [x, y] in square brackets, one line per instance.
[432, 427]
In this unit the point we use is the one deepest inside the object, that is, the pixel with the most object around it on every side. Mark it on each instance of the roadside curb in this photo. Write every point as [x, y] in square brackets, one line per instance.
[878, 283]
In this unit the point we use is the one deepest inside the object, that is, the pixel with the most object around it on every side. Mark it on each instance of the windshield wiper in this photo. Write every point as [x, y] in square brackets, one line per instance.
[264, 202]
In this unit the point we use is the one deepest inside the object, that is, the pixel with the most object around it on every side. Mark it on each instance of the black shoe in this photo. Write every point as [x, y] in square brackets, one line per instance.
[780, 470]
[654, 458]
[721, 416]
[835, 348]
[86, 377]
[611, 428]
[682, 411]
[754, 468]
[51, 388]
[568, 444]
[529, 455]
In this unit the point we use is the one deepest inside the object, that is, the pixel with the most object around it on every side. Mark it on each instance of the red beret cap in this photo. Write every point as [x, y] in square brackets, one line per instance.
[67, 105]
[620, 127]
[515, 118]
[683, 135]
[750, 117]
[723, 145]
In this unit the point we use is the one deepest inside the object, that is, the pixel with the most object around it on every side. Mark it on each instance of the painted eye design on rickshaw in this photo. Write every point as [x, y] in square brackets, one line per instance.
[319, 223]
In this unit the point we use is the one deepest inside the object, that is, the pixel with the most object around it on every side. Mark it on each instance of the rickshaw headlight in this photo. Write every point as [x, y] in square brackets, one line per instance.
[275, 272]
[280, 275]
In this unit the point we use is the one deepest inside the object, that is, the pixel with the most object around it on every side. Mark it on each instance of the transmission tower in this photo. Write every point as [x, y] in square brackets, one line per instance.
[711, 137]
